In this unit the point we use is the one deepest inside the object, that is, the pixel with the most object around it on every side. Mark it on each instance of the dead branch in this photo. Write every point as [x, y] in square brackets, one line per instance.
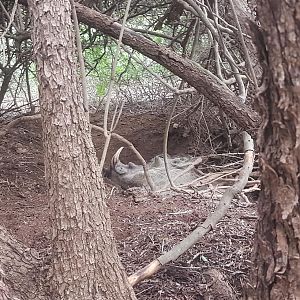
[244, 47]
[209, 224]
[107, 133]
[205, 82]
[166, 136]
[11, 19]
[167, 128]
[159, 78]
[201, 79]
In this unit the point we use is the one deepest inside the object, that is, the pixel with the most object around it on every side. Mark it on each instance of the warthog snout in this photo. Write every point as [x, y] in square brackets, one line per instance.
[130, 175]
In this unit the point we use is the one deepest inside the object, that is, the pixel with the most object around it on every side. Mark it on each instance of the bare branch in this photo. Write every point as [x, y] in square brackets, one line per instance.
[208, 225]
[246, 53]
[107, 133]
[204, 81]
[11, 17]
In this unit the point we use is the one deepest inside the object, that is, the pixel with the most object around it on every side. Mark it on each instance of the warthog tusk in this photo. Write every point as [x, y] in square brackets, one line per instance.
[116, 158]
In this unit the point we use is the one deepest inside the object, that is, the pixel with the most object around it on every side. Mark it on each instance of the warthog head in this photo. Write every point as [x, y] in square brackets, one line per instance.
[130, 175]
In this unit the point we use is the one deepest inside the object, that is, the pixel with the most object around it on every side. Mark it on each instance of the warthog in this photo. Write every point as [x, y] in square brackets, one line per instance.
[130, 175]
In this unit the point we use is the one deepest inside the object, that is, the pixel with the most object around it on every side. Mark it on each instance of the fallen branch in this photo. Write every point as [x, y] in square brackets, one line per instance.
[209, 224]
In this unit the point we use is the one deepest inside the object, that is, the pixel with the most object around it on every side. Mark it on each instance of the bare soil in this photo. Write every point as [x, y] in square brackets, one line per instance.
[145, 226]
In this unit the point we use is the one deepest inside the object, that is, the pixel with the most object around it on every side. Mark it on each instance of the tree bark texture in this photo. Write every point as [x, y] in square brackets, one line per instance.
[277, 246]
[20, 270]
[85, 263]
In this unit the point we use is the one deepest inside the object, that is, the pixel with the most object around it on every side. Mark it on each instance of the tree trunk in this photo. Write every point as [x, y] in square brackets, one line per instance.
[277, 246]
[85, 263]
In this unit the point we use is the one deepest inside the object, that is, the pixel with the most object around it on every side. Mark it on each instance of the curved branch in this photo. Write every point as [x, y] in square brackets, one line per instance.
[201, 79]
[209, 224]
[131, 146]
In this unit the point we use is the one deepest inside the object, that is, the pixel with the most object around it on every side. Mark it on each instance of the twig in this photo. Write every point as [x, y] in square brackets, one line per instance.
[113, 70]
[169, 86]
[11, 19]
[245, 50]
[165, 142]
[107, 133]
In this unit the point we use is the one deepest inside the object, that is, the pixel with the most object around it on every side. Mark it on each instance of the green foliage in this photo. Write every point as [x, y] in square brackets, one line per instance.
[99, 61]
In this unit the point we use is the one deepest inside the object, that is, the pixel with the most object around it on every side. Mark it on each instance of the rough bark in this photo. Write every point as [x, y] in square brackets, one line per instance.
[277, 249]
[85, 263]
[20, 270]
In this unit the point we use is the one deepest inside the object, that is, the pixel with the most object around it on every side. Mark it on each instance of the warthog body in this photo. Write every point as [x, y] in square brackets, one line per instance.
[130, 175]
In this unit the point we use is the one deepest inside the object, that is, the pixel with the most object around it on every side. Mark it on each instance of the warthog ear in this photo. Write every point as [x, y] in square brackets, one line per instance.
[132, 165]
[116, 158]
[158, 162]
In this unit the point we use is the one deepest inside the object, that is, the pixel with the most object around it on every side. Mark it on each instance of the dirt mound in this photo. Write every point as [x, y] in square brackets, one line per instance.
[144, 226]
[145, 131]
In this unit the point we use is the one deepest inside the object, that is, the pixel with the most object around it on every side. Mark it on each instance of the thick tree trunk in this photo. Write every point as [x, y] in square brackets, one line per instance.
[278, 233]
[85, 262]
